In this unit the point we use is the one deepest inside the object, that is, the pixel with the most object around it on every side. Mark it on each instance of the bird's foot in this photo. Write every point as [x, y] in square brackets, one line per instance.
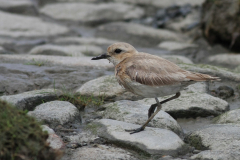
[134, 130]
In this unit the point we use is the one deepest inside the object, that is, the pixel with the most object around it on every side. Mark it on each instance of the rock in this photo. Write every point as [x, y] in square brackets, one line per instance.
[18, 6]
[54, 140]
[174, 46]
[3, 51]
[222, 141]
[237, 69]
[223, 73]
[27, 27]
[108, 87]
[71, 50]
[29, 100]
[224, 92]
[84, 40]
[136, 34]
[152, 141]
[136, 113]
[199, 87]
[88, 13]
[102, 152]
[177, 59]
[56, 113]
[55, 60]
[229, 117]
[226, 60]
[164, 3]
[191, 105]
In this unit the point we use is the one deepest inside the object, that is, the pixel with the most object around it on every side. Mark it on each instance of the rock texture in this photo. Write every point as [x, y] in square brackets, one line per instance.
[229, 117]
[227, 60]
[54, 140]
[174, 46]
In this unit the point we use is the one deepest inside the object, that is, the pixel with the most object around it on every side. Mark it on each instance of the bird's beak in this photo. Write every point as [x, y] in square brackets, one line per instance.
[102, 56]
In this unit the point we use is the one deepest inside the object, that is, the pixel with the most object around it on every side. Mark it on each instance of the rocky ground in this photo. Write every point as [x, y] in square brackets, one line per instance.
[45, 67]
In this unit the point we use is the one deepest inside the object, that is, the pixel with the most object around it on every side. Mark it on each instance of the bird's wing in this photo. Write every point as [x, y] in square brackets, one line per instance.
[155, 71]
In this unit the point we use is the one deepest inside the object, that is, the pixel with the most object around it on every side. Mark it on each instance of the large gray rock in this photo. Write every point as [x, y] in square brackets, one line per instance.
[70, 50]
[92, 13]
[163, 3]
[136, 113]
[153, 141]
[174, 46]
[101, 152]
[108, 87]
[229, 117]
[56, 113]
[192, 104]
[177, 59]
[26, 27]
[18, 6]
[221, 140]
[136, 33]
[55, 60]
[29, 100]
[84, 40]
[227, 60]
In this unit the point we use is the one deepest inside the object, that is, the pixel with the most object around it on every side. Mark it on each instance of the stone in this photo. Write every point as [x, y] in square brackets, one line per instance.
[3, 51]
[177, 59]
[55, 60]
[164, 3]
[56, 113]
[237, 69]
[84, 40]
[27, 27]
[55, 142]
[18, 6]
[29, 100]
[89, 13]
[229, 117]
[199, 87]
[174, 46]
[220, 140]
[108, 87]
[101, 152]
[136, 34]
[226, 60]
[152, 141]
[137, 113]
[70, 50]
[192, 104]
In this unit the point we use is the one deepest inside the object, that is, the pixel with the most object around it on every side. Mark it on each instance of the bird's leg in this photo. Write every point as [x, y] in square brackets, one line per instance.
[153, 106]
[159, 106]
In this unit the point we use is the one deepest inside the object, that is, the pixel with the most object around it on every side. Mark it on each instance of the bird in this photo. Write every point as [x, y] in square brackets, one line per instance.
[149, 76]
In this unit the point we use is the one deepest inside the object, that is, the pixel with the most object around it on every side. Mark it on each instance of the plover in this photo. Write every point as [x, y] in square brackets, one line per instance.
[149, 75]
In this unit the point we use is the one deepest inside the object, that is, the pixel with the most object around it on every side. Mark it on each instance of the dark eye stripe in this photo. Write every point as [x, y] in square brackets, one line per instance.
[118, 51]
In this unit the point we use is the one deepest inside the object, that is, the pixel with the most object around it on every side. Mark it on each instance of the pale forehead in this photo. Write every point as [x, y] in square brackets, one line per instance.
[120, 45]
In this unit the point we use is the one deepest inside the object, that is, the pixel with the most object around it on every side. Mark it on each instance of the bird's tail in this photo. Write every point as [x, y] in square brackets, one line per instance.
[201, 77]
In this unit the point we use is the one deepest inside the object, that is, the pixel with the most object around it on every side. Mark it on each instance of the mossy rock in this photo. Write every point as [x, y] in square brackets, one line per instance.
[22, 137]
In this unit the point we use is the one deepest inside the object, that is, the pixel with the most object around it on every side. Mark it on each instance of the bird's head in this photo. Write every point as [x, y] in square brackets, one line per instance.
[117, 52]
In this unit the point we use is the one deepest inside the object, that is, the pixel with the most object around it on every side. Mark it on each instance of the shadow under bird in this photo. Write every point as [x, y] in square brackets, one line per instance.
[149, 76]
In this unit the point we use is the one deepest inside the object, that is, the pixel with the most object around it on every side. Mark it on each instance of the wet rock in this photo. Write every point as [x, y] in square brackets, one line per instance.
[88, 13]
[177, 59]
[136, 34]
[56, 113]
[191, 105]
[229, 117]
[108, 87]
[224, 92]
[18, 6]
[153, 141]
[54, 140]
[222, 141]
[223, 73]
[29, 100]
[84, 40]
[164, 3]
[55, 60]
[27, 27]
[174, 46]
[226, 60]
[102, 152]
[136, 113]
[71, 50]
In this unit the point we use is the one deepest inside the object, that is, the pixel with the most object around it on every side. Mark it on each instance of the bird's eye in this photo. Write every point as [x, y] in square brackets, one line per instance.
[118, 51]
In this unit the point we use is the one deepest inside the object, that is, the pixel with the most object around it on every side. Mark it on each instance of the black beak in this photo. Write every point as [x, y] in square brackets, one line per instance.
[102, 56]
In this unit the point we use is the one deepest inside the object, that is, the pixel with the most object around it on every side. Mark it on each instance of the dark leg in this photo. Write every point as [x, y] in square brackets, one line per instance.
[159, 106]
[153, 106]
